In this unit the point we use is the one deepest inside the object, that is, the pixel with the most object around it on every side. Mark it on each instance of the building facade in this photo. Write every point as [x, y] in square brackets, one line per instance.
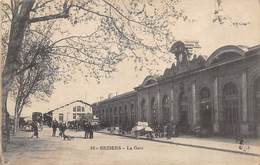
[220, 94]
[71, 111]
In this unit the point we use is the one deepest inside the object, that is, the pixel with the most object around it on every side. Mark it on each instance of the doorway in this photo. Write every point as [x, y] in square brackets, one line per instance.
[205, 110]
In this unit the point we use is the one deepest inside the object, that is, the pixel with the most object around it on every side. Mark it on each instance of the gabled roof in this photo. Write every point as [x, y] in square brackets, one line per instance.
[70, 104]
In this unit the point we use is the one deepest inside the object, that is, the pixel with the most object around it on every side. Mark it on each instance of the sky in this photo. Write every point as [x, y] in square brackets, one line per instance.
[210, 36]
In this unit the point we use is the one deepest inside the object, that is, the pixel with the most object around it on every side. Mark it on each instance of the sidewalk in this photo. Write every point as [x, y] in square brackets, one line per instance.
[213, 143]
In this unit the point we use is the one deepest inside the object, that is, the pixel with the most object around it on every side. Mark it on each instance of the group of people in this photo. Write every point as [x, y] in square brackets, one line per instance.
[168, 130]
[88, 129]
[61, 126]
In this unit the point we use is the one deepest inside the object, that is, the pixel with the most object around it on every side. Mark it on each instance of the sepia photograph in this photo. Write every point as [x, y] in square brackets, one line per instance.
[133, 82]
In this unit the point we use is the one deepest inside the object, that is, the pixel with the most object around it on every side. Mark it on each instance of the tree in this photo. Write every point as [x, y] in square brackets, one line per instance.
[38, 80]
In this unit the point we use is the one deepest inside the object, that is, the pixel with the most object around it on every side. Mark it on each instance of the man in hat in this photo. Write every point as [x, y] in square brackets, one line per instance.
[54, 127]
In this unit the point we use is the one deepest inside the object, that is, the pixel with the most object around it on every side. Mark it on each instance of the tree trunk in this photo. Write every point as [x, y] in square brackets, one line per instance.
[17, 113]
[4, 128]
[19, 24]
[16, 120]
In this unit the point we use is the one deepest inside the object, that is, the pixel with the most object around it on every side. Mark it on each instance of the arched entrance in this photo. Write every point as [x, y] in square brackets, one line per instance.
[143, 110]
[166, 109]
[257, 105]
[183, 124]
[154, 113]
[230, 110]
[205, 109]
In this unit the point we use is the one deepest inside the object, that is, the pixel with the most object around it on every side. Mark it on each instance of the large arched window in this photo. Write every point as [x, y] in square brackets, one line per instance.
[204, 94]
[230, 89]
[257, 99]
[143, 110]
[183, 111]
[166, 109]
[230, 109]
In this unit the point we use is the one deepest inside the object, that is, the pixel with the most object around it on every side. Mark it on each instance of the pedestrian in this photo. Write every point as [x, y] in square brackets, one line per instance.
[63, 129]
[86, 129]
[54, 127]
[161, 130]
[35, 129]
[90, 131]
[156, 131]
[60, 126]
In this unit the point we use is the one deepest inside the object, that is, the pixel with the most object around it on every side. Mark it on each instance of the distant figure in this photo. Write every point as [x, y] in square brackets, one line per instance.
[90, 131]
[60, 129]
[86, 129]
[241, 143]
[161, 130]
[63, 129]
[54, 127]
[35, 129]
[156, 131]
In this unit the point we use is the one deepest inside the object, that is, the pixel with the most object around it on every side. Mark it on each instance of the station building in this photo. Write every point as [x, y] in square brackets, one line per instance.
[220, 94]
[71, 111]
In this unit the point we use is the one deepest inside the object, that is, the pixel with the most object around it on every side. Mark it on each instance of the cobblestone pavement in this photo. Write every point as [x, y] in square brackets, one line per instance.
[112, 150]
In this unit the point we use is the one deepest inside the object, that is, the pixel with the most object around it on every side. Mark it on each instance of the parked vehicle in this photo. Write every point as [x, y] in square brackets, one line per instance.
[142, 129]
[27, 127]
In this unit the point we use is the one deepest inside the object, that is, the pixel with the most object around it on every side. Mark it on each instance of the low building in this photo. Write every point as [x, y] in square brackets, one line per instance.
[220, 94]
[71, 111]
[118, 110]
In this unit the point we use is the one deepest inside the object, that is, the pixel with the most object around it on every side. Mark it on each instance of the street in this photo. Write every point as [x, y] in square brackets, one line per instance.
[112, 150]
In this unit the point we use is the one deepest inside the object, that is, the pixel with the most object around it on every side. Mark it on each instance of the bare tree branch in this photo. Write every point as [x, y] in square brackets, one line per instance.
[63, 14]
[121, 14]
[39, 5]
[93, 12]
[49, 17]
